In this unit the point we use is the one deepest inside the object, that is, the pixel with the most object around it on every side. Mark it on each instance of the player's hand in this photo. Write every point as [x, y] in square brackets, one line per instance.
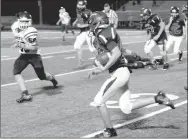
[171, 19]
[74, 24]
[94, 72]
[57, 23]
[15, 45]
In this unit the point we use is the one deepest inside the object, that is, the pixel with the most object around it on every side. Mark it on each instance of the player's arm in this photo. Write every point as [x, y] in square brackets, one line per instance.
[169, 23]
[59, 21]
[30, 44]
[82, 25]
[115, 19]
[162, 28]
[115, 54]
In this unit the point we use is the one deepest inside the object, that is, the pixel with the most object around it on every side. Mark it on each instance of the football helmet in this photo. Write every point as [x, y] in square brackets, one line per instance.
[145, 13]
[174, 11]
[185, 10]
[98, 20]
[24, 20]
[81, 5]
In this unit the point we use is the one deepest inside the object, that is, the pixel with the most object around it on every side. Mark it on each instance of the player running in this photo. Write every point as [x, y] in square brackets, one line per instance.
[156, 37]
[118, 83]
[185, 14]
[81, 22]
[176, 30]
[64, 20]
[26, 41]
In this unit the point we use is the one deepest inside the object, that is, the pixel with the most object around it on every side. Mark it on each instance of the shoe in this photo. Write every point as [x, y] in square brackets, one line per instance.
[166, 66]
[162, 99]
[24, 97]
[108, 132]
[180, 56]
[54, 82]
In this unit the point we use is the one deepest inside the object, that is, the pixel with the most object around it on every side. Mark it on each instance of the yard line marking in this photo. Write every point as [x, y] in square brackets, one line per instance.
[45, 57]
[71, 57]
[137, 119]
[67, 51]
[9, 84]
[4, 56]
[5, 59]
[36, 79]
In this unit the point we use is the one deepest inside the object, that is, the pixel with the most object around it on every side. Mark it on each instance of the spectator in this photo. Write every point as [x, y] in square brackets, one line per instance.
[113, 18]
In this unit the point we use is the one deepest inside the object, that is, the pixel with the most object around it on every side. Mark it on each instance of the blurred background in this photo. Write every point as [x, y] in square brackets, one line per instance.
[45, 12]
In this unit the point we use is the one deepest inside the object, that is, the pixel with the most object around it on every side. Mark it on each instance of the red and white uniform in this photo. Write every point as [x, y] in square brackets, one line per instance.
[65, 18]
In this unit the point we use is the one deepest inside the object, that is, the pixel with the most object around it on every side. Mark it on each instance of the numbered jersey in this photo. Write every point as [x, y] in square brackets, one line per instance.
[176, 28]
[107, 39]
[152, 25]
[28, 35]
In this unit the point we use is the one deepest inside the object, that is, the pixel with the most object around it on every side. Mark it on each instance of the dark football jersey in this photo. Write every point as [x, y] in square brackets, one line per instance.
[83, 17]
[176, 28]
[107, 40]
[153, 25]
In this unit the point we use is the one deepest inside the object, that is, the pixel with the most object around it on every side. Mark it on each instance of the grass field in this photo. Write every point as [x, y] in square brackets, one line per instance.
[65, 111]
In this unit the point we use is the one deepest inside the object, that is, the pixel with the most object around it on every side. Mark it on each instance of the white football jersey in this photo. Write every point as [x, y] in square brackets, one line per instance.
[16, 31]
[65, 17]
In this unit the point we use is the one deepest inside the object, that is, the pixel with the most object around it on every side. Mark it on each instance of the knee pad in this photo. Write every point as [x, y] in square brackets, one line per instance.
[125, 104]
[98, 100]
[149, 45]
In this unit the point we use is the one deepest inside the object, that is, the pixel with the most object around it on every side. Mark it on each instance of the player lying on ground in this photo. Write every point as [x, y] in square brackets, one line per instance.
[156, 37]
[26, 41]
[177, 33]
[118, 83]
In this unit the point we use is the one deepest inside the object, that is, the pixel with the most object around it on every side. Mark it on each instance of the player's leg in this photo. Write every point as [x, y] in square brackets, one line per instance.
[177, 50]
[36, 62]
[70, 27]
[20, 64]
[147, 49]
[80, 39]
[63, 31]
[111, 86]
[89, 40]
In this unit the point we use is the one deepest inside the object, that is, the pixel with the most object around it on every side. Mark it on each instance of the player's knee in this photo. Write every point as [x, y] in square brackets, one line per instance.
[40, 73]
[125, 104]
[98, 100]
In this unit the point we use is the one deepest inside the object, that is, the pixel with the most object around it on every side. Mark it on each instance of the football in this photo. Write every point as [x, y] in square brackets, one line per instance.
[103, 58]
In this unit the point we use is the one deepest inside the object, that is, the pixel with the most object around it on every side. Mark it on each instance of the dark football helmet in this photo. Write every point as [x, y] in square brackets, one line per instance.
[174, 11]
[81, 5]
[98, 20]
[145, 13]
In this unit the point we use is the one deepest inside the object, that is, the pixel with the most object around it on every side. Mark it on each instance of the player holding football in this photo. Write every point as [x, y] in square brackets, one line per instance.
[118, 83]
[26, 41]
[81, 22]
[65, 20]
[176, 30]
[156, 36]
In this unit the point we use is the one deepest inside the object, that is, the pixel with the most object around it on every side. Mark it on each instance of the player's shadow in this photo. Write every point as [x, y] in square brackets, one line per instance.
[49, 90]
[133, 127]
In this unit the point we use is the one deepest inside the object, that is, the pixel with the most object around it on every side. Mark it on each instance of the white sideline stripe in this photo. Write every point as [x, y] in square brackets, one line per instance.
[45, 57]
[9, 84]
[68, 51]
[137, 119]
[36, 79]
[4, 56]
[70, 57]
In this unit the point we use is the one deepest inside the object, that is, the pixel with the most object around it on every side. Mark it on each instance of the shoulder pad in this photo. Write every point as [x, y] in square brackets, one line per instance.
[31, 31]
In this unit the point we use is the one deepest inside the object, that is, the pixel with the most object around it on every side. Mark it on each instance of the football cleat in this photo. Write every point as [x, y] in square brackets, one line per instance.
[162, 99]
[108, 132]
[166, 66]
[24, 97]
[54, 81]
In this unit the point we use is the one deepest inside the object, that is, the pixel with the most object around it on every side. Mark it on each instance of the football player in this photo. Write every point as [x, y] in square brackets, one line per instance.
[185, 14]
[109, 41]
[81, 22]
[26, 41]
[65, 20]
[176, 32]
[156, 36]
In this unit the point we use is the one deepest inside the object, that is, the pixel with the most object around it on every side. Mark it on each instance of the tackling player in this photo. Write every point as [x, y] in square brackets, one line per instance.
[176, 32]
[109, 41]
[81, 22]
[65, 20]
[185, 14]
[26, 41]
[156, 37]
